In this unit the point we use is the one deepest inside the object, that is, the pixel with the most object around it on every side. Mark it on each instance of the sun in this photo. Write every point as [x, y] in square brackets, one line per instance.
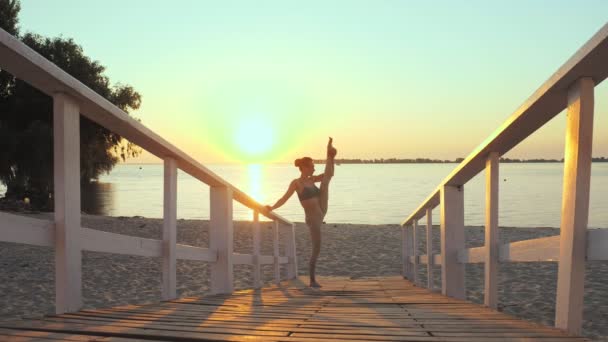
[254, 138]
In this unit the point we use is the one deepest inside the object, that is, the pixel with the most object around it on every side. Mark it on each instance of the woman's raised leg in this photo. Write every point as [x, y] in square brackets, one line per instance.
[327, 175]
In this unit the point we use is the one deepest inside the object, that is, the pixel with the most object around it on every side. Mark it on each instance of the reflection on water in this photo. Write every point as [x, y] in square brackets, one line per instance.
[530, 194]
[254, 181]
[97, 198]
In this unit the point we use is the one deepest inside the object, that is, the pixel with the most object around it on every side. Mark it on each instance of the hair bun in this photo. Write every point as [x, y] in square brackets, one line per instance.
[297, 162]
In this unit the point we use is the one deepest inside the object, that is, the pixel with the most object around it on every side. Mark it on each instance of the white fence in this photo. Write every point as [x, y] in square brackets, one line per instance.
[571, 88]
[71, 99]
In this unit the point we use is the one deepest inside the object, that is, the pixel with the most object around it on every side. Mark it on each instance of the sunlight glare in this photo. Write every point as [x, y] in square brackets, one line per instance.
[254, 173]
[254, 137]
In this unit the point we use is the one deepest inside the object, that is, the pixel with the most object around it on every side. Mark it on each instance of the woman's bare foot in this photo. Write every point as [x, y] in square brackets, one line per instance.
[314, 284]
[331, 150]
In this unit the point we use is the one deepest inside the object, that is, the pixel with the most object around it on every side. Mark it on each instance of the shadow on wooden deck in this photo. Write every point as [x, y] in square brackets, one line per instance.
[367, 309]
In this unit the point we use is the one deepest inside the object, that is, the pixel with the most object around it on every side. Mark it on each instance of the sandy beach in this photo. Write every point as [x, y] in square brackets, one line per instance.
[526, 290]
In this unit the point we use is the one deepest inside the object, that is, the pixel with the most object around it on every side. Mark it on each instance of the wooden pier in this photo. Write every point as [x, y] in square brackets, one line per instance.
[369, 309]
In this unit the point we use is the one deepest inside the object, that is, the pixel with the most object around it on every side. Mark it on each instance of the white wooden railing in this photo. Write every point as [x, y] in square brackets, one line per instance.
[71, 99]
[571, 88]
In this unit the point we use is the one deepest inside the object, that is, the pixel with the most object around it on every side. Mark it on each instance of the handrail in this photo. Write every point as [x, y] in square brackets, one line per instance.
[29, 66]
[544, 104]
[71, 98]
[572, 87]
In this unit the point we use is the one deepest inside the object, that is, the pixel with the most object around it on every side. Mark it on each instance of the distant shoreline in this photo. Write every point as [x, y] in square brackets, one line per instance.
[439, 161]
[400, 161]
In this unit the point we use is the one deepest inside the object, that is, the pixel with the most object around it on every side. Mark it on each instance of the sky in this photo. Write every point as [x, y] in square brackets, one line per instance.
[269, 81]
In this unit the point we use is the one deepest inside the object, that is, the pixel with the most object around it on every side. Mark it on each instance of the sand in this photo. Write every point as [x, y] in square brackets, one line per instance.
[526, 290]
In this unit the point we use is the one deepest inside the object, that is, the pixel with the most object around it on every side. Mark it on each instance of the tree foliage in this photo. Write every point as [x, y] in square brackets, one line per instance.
[26, 119]
[9, 10]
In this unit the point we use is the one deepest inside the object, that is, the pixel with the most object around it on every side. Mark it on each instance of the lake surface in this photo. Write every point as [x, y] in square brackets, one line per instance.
[530, 194]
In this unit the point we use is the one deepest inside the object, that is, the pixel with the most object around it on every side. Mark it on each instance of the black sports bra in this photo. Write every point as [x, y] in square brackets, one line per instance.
[309, 192]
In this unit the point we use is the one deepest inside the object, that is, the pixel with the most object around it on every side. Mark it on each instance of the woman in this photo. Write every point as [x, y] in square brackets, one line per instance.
[314, 200]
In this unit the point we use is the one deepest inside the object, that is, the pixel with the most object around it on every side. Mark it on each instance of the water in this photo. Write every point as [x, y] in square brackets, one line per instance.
[530, 194]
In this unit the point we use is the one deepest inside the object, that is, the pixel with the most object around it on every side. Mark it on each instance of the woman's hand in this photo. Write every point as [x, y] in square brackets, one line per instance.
[269, 207]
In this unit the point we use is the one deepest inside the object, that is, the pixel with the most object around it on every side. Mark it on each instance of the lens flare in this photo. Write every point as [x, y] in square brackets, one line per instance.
[254, 138]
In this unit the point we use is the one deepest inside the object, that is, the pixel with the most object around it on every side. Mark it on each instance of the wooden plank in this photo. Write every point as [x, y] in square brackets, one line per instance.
[216, 327]
[148, 333]
[346, 338]
[304, 308]
[437, 259]
[27, 230]
[452, 240]
[543, 105]
[427, 327]
[66, 168]
[151, 325]
[196, 253]
[209, 318]
[541, 249]
[106, 242]
[472, 255]
[242, 259]
[353, 337]
[221, 239]
[12, 335]
[189, 320]
[169, 242]
[575, 207]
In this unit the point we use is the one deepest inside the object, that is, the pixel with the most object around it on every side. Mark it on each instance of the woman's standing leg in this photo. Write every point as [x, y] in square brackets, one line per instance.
[315, 237]
[329, 173]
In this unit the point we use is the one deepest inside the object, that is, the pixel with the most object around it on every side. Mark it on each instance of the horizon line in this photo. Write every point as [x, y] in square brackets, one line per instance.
[385, 161]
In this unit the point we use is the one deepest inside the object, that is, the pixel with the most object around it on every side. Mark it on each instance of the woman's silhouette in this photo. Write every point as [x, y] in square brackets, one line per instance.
[314, 200]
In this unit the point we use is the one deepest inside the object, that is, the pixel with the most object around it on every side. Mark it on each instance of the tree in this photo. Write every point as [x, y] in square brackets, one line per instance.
[26, 119]
[9, 9]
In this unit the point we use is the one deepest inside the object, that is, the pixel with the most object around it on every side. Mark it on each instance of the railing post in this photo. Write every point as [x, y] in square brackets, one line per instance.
[429, 248]
[169, 274]
[290, 251]
[404, 251]
[575, 207]
[409, 252]
[68, 251]
[452, 240]
[275, 253]
[491, 233]
[415, 251]
[221, 237]
[257, 283]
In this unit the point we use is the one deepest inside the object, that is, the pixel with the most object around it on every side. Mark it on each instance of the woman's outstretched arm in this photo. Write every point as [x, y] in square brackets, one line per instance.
[290, 190]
